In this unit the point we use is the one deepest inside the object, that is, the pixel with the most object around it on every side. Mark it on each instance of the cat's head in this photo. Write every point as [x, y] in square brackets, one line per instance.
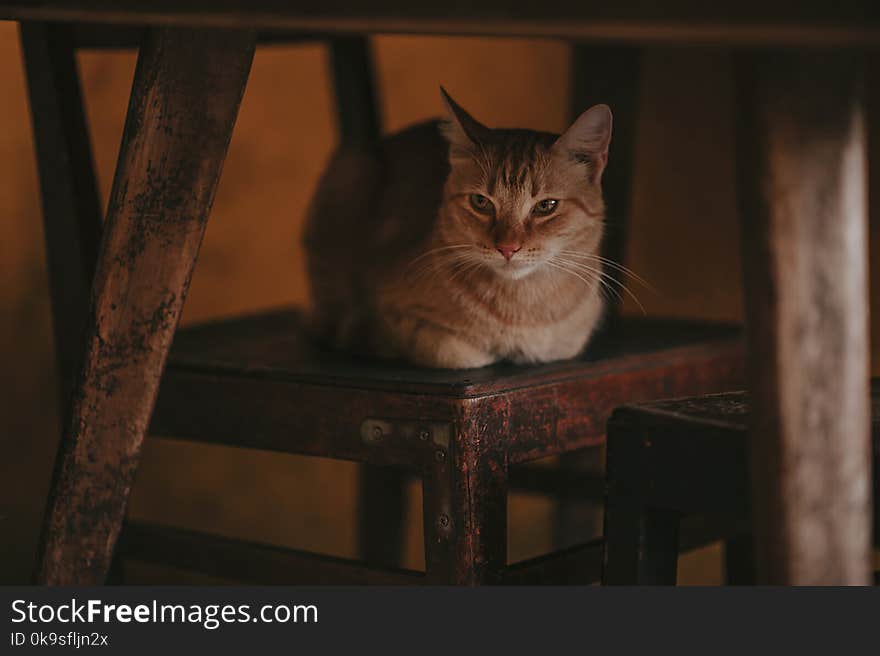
[517, 201]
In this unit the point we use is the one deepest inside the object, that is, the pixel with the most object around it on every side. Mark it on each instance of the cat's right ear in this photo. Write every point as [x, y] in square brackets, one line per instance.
[461, 129]
[587, 140]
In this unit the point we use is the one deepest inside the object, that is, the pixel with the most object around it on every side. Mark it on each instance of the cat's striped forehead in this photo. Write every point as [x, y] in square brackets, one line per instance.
[515, 161]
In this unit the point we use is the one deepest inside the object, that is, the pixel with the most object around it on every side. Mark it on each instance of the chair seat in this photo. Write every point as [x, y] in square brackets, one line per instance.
[259, 381]
[691, 453]
[728, 410]
[274, 345]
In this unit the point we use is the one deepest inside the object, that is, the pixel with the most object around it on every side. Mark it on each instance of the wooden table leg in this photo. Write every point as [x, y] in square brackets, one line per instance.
[187, 89]
[802, 170]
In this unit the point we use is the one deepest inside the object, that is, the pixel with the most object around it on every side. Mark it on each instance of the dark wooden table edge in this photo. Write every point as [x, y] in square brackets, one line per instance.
[746, 33]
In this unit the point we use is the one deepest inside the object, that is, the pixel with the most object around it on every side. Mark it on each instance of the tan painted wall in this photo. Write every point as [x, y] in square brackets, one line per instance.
[684, 240]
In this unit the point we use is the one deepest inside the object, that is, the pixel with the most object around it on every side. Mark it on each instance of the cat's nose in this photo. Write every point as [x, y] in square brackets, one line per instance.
[507, 250]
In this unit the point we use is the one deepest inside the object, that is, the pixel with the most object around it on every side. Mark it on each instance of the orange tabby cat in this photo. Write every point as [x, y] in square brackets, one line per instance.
[455, 245]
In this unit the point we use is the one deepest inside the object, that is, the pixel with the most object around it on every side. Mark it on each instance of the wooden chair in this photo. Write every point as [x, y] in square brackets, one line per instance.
[256, 382]
[673, 460]
[801, 183]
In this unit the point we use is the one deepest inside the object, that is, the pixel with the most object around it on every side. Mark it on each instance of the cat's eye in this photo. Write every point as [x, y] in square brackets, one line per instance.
[482, 204]
[545, 207]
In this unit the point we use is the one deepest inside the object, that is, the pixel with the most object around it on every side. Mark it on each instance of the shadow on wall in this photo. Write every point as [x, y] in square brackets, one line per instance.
[684, 222]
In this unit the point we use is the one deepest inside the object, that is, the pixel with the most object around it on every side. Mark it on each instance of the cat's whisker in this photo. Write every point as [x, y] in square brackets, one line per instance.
[437, 250]
[608, 277]
[624, 270]
[455, 264]
[466, 269]
[621, 270]
[602, 274]
[605, 290]
[436, 265]
[611, 263]
[463, 268]
[423, 270]
[594, 256]
[587, 282]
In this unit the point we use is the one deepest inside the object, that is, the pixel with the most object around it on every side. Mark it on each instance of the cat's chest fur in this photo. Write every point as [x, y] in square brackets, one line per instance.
[535, 323]
[554, 340]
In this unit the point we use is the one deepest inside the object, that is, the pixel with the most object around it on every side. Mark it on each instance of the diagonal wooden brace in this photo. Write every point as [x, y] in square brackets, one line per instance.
[187, 90]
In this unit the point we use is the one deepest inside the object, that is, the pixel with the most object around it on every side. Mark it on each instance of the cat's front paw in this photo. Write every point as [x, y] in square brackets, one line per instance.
[449, 352]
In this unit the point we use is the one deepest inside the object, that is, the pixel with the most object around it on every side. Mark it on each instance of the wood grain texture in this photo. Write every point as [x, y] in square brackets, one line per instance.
[187, 89]
[68, 190]
[746, 22]
[802, 175]
[476, 535]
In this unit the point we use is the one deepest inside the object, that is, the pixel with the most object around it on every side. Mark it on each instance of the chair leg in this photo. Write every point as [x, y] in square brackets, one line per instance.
[610, 75]
[641, 541]
[69, 193]
[641, 544]
[359, 119]
[187, 89]
[465, 506]
[802, 176]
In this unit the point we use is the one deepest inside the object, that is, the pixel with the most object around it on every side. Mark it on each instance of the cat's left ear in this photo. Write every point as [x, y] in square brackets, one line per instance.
[461, 129]
[588, 138]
